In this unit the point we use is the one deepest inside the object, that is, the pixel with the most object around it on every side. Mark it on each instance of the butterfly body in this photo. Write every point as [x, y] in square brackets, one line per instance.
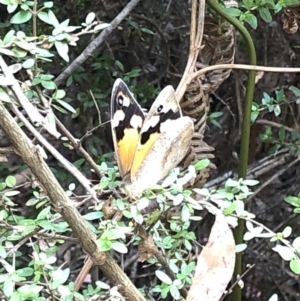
[148, 147]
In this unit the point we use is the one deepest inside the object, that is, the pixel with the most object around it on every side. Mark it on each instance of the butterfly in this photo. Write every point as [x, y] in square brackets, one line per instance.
[148, 146]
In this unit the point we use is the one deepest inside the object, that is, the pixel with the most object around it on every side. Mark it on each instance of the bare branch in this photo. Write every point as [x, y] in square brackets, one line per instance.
[62, 204]
[96, 42]
[67, 165]
[30, 109]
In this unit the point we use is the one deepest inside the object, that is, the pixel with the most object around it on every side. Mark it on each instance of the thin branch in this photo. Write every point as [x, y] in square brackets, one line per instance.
[241, 67]
[30, 109]
[63, 205]
[66, 164]
[196, 34]
[96, 42]
[77, 146]
[274, 124]
[7, 150]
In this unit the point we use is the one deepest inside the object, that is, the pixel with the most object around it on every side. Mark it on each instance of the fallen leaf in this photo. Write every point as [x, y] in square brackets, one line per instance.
[215, 264]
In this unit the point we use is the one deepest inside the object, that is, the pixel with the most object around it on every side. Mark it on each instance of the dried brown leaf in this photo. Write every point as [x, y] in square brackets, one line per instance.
[215, 264]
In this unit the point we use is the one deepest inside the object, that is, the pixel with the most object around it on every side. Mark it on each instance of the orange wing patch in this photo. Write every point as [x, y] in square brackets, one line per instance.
[127, 149]
[141, 153]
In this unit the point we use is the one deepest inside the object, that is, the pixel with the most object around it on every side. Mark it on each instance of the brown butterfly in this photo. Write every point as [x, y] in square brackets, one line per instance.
[148, 147]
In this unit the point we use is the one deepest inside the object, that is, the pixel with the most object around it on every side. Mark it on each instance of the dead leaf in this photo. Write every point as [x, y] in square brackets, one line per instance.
[215, 264]
[147, 247]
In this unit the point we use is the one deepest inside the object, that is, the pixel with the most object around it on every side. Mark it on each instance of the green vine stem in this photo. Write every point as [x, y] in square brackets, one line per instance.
[244, 151]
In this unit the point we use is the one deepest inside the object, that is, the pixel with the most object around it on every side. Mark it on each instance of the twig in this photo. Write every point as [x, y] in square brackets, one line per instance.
[96, 42]
[274, 124]
[77, 145]
[83, 273]
[67, 165]
[250, 267]
[241, 67]
[7, 150]
[271, 180]
[196, 34]
[31, 110]
[63, 205]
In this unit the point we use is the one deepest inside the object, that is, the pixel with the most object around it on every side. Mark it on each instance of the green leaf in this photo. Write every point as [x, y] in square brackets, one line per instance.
[2, 186]
[90, 18]
[42, 215]
[295, 90]
[215, 122]
[62, 49]
[69, 81]
[250, 182]
[60, 109]
[10, 181]
[136, 215]
[12, 7]
[48, 4]
[233, 12]
[101, 26]
[185, 213]
[216, 114]
[248, 4]
[21, 17]
[43, 16]
[240, 248]
[285, 252]
[102, 285]
[202, 164]
[287, 231]
[61, 275]
[64, 291]
[46, 225]
[93, 215]
[46, 76]
[11, 193]
[7, 52]
[52, 18]
[4, 96]
[119, 247]
[16, 296]
[104, 245]
[133, 73]
[8, 287]
[120, 65]
[2, 252]
[296, 243]
[25, 272]
[251, 20]
[9, 37]
[59, 94]
[147, 30]
[294, 201]
[28, 63]
[25, 45]
[265, 14]
[174, 292]
[48, 84]
[66, 105]
[282, 134]
[163, 277]
[29, 291]
[295, 266]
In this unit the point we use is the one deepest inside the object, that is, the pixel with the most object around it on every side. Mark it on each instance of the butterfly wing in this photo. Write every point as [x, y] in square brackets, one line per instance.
[126, 124]
[164, 140]
[166, 153]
